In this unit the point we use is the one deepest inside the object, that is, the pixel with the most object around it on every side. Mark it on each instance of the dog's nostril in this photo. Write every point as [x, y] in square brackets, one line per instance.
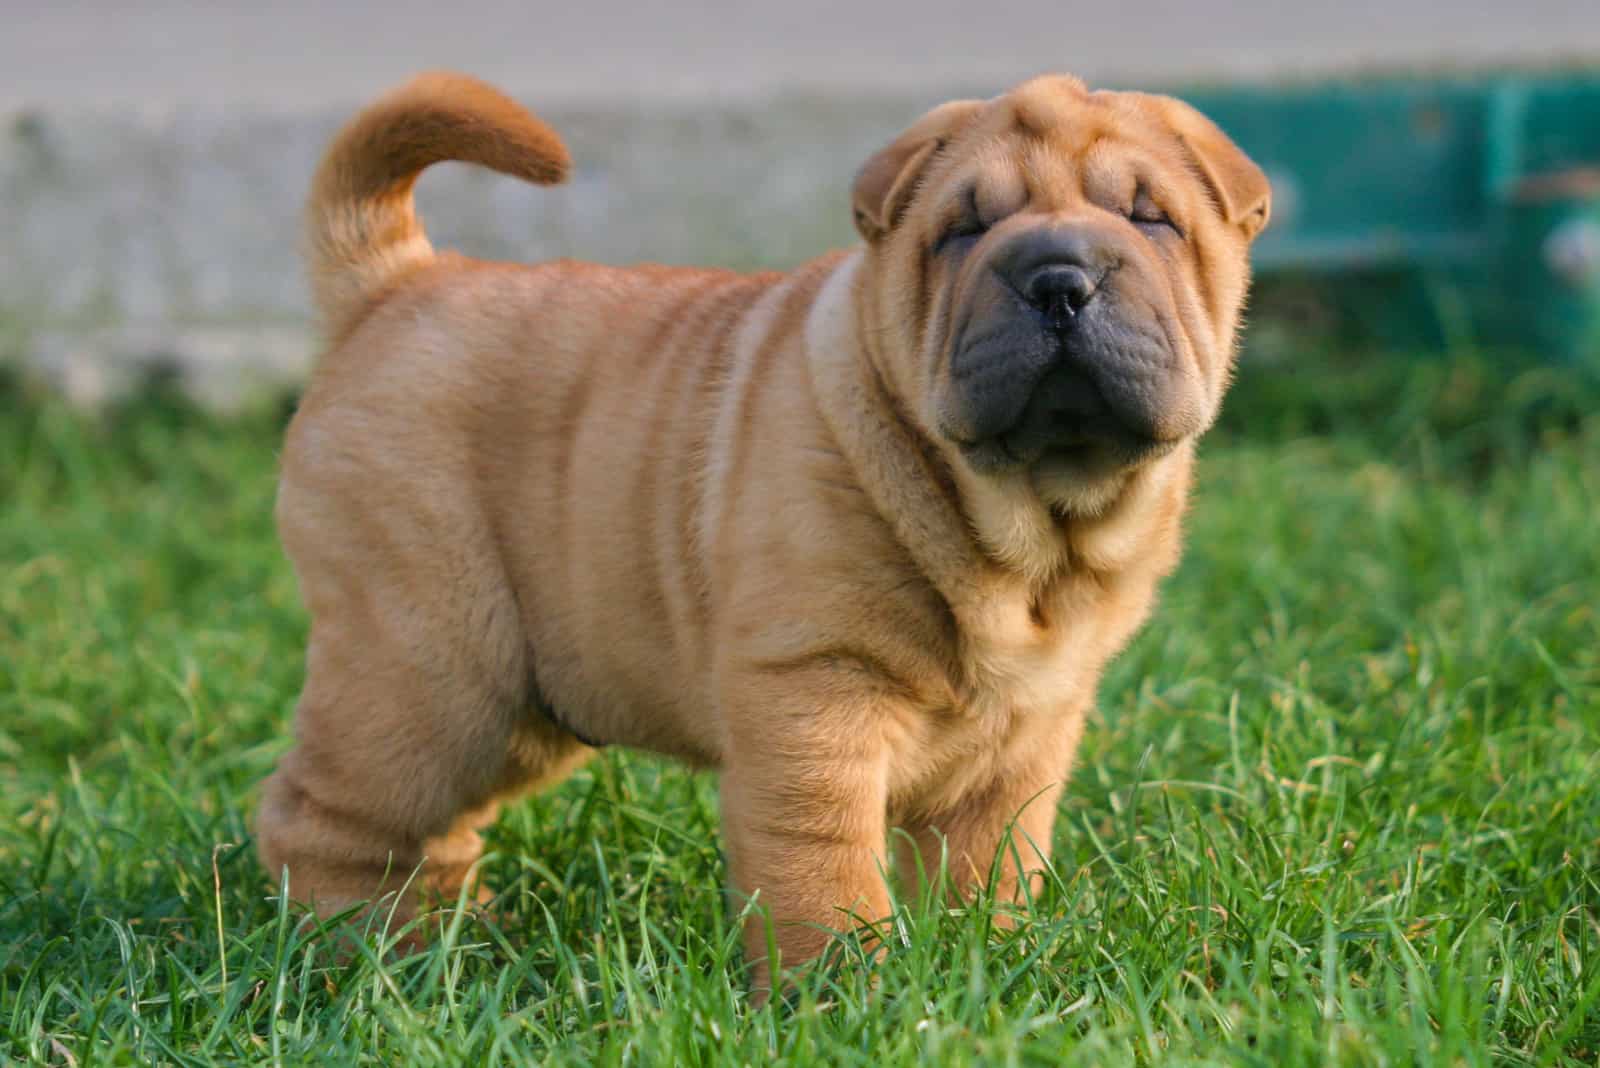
[1060, 289]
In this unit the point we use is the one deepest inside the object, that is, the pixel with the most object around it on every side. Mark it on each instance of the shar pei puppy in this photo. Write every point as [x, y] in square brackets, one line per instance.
[862, 535]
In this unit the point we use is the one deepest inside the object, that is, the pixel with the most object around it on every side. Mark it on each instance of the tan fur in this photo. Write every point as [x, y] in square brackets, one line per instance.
[705, 514]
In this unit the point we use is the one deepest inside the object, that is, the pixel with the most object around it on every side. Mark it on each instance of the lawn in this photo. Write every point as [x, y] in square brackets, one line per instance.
[1339, 803]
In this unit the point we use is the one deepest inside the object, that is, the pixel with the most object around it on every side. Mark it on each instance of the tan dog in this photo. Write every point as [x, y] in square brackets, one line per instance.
[862, 536]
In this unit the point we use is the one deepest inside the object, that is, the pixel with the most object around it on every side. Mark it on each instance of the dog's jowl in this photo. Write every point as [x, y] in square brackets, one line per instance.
[861, 536]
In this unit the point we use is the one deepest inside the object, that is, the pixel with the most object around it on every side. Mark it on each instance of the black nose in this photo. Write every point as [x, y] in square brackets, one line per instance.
[1060, 289]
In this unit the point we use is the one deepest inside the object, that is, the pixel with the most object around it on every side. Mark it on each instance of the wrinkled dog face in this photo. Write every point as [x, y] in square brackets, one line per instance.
[1062, 274]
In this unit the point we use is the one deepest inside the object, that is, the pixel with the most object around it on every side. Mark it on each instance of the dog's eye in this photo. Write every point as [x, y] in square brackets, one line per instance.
[970, 225]
[1147, 215]
[959, 235]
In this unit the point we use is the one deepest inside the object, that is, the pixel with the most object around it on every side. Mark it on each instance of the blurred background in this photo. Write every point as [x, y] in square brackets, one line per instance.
[153, 156]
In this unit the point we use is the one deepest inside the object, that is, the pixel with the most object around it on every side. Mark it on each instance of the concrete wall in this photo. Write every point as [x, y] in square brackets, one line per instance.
[153, 155]
[134, 243]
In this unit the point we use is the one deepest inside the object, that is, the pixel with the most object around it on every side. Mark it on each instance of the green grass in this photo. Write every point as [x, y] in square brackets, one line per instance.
[1339, 805]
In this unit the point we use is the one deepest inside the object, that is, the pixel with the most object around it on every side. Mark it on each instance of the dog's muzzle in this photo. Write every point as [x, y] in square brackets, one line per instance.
[1062, 351]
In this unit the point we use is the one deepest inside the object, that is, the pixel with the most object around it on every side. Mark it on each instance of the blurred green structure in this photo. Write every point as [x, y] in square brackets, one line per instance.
[1433, 210]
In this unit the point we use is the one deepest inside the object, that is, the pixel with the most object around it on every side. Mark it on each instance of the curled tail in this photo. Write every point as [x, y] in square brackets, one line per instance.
[362, 231]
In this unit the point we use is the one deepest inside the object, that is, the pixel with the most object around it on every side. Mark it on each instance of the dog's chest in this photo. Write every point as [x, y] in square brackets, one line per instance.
[1011, 697]
[1019, 684]
[1020, 656]
[1022, 674]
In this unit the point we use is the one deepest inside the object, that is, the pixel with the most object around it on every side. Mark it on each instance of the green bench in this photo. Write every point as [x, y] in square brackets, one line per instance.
[1440, 209]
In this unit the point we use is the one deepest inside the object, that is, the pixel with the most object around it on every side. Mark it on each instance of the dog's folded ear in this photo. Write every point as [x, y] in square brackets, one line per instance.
[884, 184]
[1239, 186]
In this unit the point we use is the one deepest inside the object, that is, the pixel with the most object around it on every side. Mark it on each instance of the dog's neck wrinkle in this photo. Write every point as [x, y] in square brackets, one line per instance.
[856, 407]
[904, 475]
[935, 462]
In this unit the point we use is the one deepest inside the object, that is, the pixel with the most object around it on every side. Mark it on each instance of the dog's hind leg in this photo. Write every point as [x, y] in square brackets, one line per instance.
[416, 718]
[392, 777]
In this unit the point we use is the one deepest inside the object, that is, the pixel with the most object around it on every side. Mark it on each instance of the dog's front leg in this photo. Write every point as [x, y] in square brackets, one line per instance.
[998, 838]
[999, 834]
[803, 801]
